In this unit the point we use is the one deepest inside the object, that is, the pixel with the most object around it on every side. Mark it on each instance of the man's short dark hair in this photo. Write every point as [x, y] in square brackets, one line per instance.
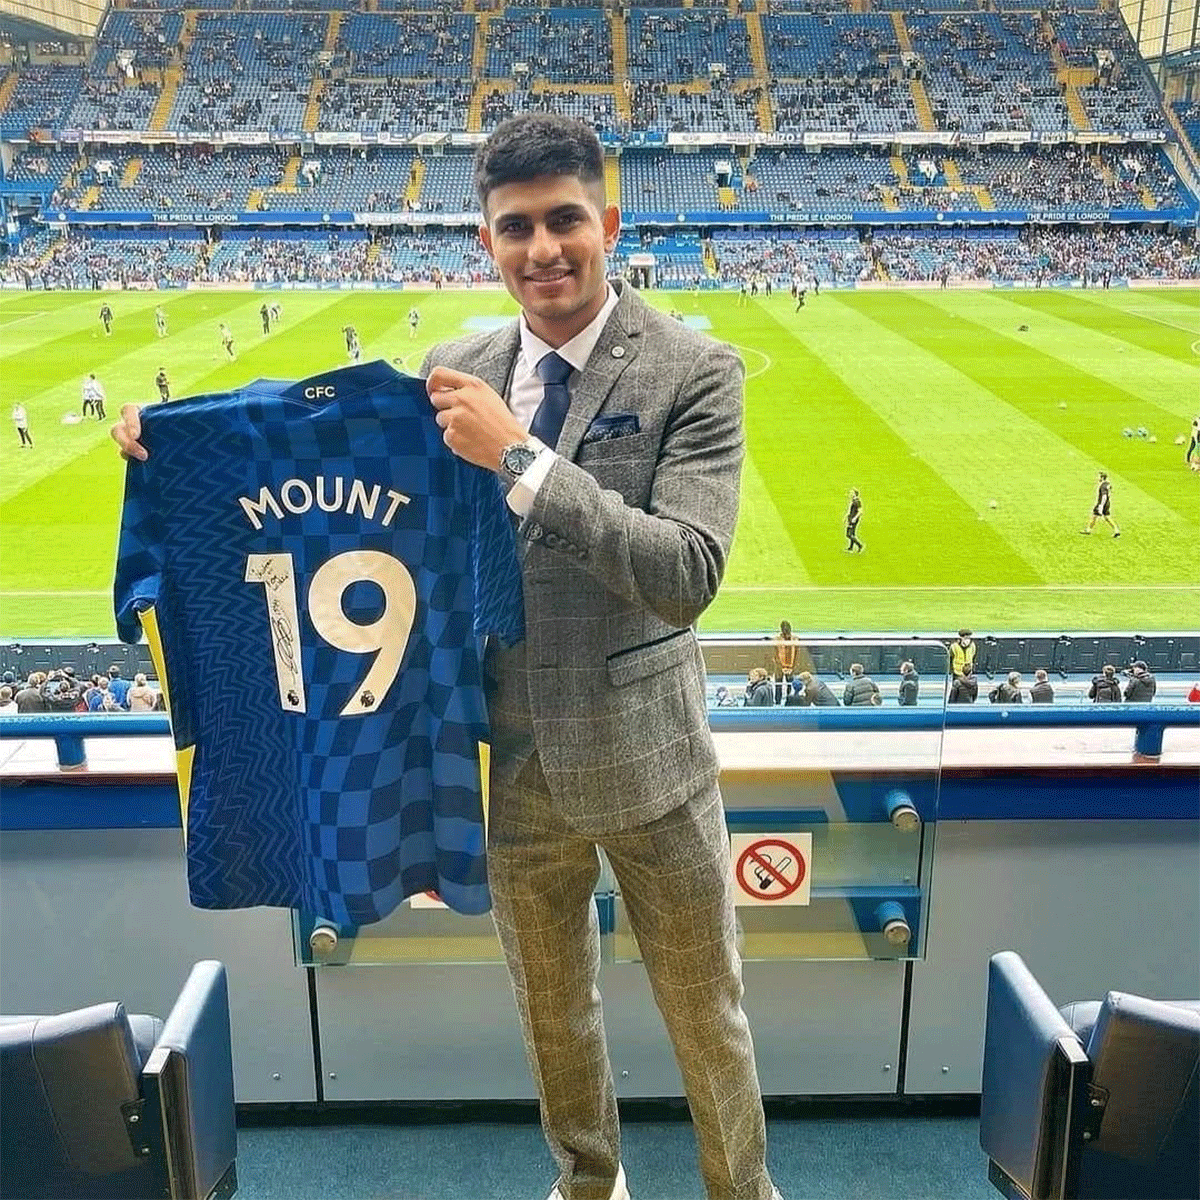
[531, 145]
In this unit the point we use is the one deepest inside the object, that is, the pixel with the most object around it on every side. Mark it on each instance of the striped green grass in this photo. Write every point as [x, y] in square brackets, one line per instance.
[932, 403]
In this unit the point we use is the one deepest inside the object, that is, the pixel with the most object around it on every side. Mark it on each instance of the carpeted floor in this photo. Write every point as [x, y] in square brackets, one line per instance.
[838, 1154]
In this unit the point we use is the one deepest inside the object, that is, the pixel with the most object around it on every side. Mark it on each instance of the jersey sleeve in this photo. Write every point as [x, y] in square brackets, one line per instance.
[495, 570]
[139, 554]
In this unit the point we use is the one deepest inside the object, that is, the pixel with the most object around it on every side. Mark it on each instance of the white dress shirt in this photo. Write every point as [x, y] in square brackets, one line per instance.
[526, 391]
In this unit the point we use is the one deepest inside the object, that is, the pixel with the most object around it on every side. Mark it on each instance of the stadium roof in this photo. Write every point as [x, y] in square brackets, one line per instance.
[1163, 27]
[30, 20]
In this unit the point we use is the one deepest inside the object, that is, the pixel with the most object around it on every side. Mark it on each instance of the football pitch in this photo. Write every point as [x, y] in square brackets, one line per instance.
[933, 404]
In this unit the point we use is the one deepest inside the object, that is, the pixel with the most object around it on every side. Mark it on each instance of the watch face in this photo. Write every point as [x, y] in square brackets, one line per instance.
[518, 459]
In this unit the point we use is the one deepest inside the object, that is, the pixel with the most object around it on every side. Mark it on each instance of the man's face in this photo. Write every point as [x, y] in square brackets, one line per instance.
[548, 238]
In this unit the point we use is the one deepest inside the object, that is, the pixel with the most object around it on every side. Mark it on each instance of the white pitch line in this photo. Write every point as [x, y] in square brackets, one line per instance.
[1133, 312]
[767, 364]
[18, 320]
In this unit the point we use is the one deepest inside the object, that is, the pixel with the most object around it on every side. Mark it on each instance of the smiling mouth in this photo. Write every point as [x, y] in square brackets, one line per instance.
[556, 277]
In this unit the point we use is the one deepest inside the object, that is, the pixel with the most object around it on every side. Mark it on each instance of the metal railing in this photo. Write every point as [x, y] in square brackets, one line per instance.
[1148, 721]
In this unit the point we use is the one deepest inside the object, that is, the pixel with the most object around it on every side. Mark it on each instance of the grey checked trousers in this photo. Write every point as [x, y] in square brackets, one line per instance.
[674, 880]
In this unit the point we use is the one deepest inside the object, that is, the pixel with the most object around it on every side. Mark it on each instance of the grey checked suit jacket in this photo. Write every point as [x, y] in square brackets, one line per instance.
[623, 549]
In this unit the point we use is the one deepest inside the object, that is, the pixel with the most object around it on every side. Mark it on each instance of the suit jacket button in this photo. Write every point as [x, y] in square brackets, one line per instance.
[618, 352]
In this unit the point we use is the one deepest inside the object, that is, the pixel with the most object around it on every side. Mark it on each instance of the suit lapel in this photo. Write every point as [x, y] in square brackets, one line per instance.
[496, 365]
[617, 348]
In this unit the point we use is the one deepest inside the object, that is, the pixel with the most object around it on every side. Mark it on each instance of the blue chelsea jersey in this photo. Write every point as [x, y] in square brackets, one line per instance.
[315, 571]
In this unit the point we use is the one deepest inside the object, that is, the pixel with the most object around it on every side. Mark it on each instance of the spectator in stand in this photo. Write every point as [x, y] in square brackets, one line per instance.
[142, 697]
[964, 689]
[1142, 685]
[1106, 688]
[724, 698]
[815, 692]
[30, 699]
[910, 684]
[962, 653]
[61, 692]
[118, 687]
[1008, 691]
[861, 689]
[1042, 691]
[760, 692]
[8, 706]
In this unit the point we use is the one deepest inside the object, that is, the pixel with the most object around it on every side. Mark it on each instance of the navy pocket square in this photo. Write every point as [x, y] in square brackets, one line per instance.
[616, 425]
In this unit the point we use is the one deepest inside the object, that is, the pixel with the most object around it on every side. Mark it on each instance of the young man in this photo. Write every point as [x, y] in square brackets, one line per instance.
[275, 311]
[163, 384]
[93, 397]
[414, 319]
[1103, 506]
[1192, 457]
[623, 547]
[264, 313]
[622, 552]
[353, 349]
[853, 516]
[106, 316]
[227, 341]
[160, 321]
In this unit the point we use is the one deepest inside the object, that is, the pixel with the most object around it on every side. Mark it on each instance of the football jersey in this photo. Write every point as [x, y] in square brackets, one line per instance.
[315, 572]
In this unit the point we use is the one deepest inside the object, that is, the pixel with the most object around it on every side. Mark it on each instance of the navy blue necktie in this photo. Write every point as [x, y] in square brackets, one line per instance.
[553, 371]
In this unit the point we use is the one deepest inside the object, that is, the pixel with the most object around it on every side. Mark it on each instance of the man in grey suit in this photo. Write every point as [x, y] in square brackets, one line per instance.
[619, 433]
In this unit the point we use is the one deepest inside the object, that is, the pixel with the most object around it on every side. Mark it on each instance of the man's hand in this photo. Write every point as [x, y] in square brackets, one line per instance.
[127, 431]
[476, 423]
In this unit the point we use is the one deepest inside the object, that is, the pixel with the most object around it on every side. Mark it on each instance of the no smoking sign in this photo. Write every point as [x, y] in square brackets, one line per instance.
[771, 868]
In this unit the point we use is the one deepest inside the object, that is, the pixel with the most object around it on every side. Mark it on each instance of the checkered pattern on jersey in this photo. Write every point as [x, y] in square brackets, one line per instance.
[383, 802]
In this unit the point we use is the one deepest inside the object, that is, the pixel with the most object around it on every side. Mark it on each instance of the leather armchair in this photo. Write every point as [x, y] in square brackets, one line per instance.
[1097, 1100]
[98, 1103]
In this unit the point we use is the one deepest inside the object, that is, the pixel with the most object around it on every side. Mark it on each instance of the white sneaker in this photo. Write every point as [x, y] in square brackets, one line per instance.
[619, 1191]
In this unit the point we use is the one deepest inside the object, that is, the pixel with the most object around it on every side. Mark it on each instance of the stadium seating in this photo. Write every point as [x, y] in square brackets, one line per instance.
[400, 106]
[41, 99]
[434, 45]
[986, 71]
[839, 46]
[290, 68]
[833, 257]
[1188, 113]
[1097, 1099]
[248, 71]
[678, 46]
[572, 45]
[99, 1102]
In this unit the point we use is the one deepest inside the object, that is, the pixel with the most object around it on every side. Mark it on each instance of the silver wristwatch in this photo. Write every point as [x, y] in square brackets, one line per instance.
[516, 459]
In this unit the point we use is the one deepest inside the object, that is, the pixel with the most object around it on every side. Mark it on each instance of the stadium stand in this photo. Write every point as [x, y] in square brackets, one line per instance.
[41, 98]
[325, 112]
